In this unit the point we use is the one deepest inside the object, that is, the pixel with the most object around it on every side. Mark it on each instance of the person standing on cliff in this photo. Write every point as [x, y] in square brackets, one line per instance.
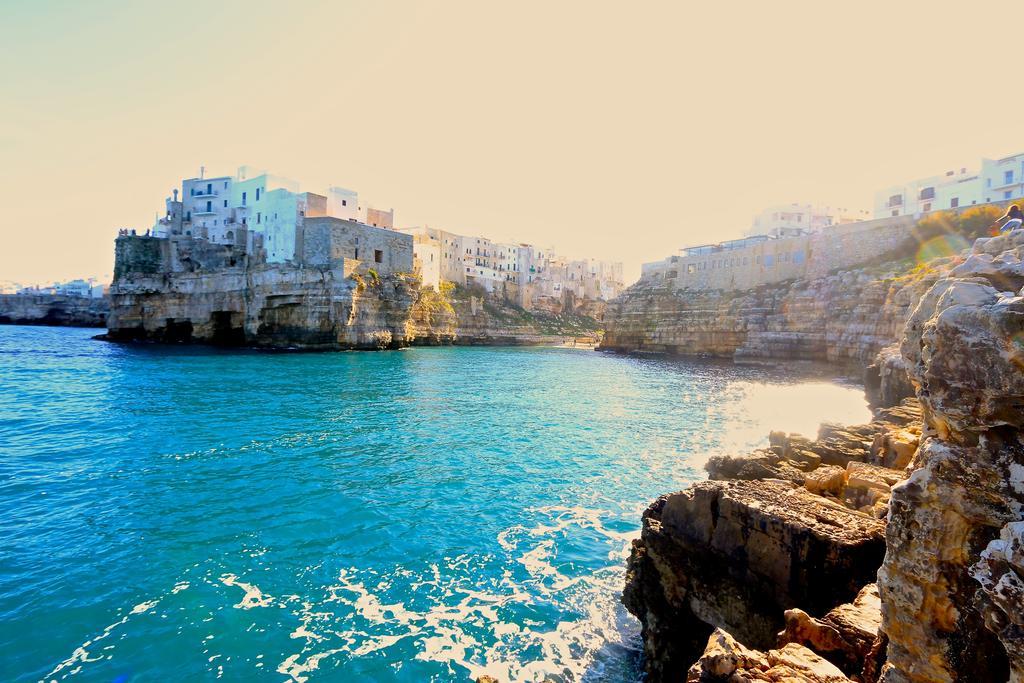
[1014, 218]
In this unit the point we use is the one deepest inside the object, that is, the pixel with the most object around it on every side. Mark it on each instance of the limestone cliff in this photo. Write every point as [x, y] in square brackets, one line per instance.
[472, 317]
[193, 291]
[951, 583]
[844, 318]
[51, 309]
[768, 552]
[263, 306]
[780, 538]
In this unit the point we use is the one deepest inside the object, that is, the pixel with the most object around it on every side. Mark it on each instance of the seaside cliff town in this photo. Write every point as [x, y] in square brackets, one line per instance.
[891, 551]
[252, 260]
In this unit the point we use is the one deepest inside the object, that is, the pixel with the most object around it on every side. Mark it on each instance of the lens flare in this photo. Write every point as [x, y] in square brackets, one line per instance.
[1015, 349]
[941, 247]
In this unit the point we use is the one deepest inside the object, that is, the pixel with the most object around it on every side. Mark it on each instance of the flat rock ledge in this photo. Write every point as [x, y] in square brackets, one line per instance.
[736, 555]
[775, 558]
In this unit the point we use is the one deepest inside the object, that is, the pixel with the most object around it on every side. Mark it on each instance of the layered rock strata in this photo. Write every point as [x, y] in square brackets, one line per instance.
[55, 310]
[946, 481]
[775, 550]
[263, 306]
[845, 318]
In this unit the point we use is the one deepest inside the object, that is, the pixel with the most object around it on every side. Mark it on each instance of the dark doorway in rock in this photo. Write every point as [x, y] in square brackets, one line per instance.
[177, 331]
[227, 328]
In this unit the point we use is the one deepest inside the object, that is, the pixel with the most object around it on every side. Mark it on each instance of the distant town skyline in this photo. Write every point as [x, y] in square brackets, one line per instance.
[481, 119]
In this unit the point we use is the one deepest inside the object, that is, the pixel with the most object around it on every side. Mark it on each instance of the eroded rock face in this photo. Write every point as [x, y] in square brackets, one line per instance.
[845, 318]
[845, 636]
[51, 309]
[948, 584]
[725, 660]
[736, 555]
[266, 305]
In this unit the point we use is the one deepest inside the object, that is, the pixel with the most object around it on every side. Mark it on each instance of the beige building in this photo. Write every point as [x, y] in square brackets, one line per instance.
[380, 218]
[760, 260]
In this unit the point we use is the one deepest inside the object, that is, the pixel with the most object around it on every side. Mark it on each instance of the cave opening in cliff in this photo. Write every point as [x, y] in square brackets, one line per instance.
[224, 329]
[177, 331]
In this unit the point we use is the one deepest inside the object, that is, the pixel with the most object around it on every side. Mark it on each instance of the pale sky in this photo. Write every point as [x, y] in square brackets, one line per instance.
[606, 129]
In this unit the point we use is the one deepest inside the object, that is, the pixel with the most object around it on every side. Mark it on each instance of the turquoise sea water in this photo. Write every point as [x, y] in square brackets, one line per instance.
[425, 515]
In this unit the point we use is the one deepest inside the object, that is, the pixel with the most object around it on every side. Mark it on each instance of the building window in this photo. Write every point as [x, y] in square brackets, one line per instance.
[895, 212]
[209, 187]
[257, 194]
[1007, 194]
[927, 207]
[209, 206]
[344, 202]
[927, 193]
[225, 203]
[896, 200]
[225, 184]
[357, 254]
[243, 198]
[954, 202]
[188, 216]
[1007, 177]
[259, 217]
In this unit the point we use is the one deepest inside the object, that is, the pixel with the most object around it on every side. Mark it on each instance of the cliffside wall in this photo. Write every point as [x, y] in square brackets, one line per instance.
[466, 317]
[193, 291]
[264, 306]
[48, 309]
[952, 584]
[844, 318]
[748, 577]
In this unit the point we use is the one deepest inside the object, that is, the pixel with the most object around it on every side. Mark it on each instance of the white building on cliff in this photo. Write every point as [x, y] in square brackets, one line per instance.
[998, 180]
[258, 210]
[522, 272]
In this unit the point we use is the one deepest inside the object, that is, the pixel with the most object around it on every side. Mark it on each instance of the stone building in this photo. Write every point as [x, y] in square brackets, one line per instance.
[760, 260]
[254, 210]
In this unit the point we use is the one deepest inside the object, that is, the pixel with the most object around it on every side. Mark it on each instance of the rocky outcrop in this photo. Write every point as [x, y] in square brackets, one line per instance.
[725, 660]
[473, 318]
[192, 291]
[779, 550]
[53, 309]
[263, 306]
[946, 480]
[736, 555]
[845, 318]
[950, 582]
[846, 635]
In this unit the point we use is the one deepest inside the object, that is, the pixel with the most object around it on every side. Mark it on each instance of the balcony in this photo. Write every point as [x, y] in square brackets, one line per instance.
[204, 195]
[1006, 186]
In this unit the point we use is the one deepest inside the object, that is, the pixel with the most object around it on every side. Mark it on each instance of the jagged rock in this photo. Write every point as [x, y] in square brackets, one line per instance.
[947, 595]
[864, 475]
[1000, 571]
[727, 661]
[828, 480]
[758, 465]
[887, 380]
[908, 412]
[965, 343]
[895, 449]
[845, 636]
[736, 555]
[722, 657]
